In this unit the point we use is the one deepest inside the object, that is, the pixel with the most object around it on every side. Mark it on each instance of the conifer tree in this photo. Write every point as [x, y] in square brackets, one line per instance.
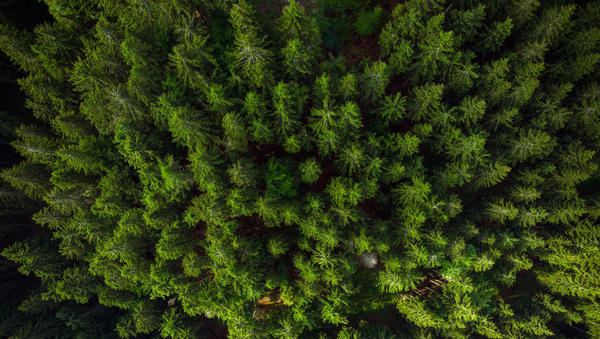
[304, 169]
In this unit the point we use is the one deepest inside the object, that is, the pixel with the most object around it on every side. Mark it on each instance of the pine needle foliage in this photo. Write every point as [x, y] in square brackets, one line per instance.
[434, 176]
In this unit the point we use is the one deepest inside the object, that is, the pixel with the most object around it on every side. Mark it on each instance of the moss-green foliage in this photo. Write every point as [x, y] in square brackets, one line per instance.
[280, 182]
[367, 21]
[199, 160]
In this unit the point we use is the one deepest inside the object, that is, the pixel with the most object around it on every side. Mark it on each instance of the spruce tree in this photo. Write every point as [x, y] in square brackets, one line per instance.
[302, 169]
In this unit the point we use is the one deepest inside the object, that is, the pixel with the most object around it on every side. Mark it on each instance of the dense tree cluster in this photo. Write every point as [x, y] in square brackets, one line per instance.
[196, 160]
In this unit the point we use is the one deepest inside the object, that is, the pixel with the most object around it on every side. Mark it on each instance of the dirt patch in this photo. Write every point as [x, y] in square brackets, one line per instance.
[262, 153]
[270, 300]
[267, 304]
[361, 47]
[251, 225]
[371, 208]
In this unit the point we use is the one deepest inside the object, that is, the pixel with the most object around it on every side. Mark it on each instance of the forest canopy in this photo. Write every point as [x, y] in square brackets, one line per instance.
[302, 169]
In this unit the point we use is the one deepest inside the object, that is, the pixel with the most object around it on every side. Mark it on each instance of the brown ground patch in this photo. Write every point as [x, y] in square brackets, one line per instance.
[266, 304]
[360, 48]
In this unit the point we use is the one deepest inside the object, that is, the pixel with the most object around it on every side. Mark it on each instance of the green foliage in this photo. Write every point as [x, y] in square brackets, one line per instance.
[277, 246]
[392, 109]
[251, 56]
[279, 179]
[310, 170]
[298, 60]
[367, 22]
[265, 167]
[31, 179]
[375, 79]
